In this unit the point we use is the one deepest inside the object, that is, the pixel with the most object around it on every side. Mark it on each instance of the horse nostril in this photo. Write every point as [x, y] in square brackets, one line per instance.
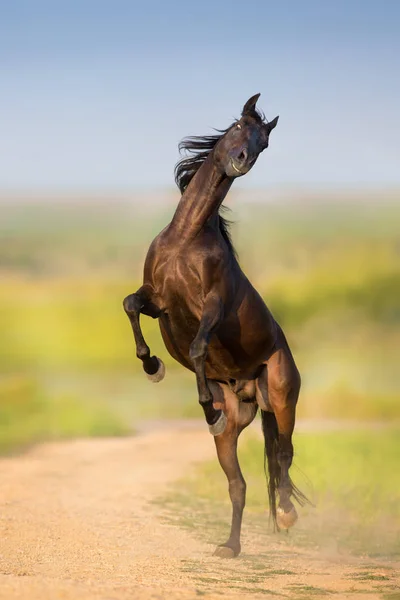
[242, 157]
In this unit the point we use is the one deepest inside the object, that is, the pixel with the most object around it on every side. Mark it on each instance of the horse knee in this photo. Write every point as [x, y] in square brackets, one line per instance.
[198, 350]
[131, 304]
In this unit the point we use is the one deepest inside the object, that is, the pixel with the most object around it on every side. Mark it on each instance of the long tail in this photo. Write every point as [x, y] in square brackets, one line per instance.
[273, 475]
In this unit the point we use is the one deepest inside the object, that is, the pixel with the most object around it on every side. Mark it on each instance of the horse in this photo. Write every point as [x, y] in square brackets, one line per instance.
[214, 323]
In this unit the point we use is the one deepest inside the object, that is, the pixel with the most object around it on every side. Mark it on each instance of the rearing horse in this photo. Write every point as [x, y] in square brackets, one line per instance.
[216, 324]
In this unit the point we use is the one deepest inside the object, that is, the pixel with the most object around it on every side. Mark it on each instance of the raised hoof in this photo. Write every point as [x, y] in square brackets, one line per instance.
[159, 374]
[285, 520]
[225, 552]
[218, 427]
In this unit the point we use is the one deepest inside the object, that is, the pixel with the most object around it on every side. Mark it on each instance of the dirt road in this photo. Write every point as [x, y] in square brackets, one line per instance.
[78, 521]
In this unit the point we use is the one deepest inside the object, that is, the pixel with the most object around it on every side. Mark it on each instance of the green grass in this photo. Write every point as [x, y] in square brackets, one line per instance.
[329, 272]
[369, 577]
[310, 590]
[76, 326]
[28, 416]
[352, 477]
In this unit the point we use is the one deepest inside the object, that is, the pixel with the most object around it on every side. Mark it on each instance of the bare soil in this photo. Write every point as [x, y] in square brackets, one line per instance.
[79, 521]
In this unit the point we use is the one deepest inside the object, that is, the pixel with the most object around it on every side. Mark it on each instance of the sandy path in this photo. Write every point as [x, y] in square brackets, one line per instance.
[77, 521]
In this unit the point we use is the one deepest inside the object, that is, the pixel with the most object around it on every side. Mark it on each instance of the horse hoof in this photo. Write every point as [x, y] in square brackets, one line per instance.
[225, 552]
[218, 428]
[285, 520]
[159, 374]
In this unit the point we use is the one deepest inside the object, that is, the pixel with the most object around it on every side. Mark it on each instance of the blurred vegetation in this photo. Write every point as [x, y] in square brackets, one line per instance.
[27, 415]
[328, 268]
[351, 477]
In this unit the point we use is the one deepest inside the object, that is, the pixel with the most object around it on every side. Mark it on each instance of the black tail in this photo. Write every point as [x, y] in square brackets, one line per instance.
[271, 437]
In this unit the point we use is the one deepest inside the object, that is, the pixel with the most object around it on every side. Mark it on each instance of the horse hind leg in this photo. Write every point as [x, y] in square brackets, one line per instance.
[279, 387]
[134, 305]
[239, 415]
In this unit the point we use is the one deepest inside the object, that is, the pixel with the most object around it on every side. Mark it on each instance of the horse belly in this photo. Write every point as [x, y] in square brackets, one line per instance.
[245, 340]
[231, 357]
[238, 347]
[231, 354]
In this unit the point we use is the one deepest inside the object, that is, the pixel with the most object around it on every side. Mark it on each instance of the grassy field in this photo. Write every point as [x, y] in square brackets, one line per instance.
[352, 477]
[329, 270]
[28, 415]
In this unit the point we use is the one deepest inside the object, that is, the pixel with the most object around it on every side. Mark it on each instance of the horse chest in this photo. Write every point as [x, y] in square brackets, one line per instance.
[178, 283]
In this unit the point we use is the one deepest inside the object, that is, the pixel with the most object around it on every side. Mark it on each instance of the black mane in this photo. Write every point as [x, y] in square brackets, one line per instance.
[198, 149]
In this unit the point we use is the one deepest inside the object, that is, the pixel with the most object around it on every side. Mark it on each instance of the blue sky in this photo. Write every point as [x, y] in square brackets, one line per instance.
[96, 95]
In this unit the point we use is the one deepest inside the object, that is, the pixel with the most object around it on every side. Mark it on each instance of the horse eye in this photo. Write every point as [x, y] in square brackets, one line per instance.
[238, 126]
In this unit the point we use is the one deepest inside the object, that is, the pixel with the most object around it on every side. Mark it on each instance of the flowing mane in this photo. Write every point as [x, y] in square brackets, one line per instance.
[198, 148]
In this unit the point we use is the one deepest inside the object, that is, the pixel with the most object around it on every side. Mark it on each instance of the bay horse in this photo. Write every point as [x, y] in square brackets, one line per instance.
[215, 323]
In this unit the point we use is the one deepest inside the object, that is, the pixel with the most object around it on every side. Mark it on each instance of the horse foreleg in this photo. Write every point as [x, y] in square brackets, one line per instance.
[211, 318]
[137, 303]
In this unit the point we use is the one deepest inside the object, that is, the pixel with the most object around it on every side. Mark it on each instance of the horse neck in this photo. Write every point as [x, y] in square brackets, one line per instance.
[201, 201]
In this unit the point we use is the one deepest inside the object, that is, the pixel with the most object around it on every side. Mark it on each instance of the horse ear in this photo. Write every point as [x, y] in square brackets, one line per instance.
[250, 105]
[272, 124]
